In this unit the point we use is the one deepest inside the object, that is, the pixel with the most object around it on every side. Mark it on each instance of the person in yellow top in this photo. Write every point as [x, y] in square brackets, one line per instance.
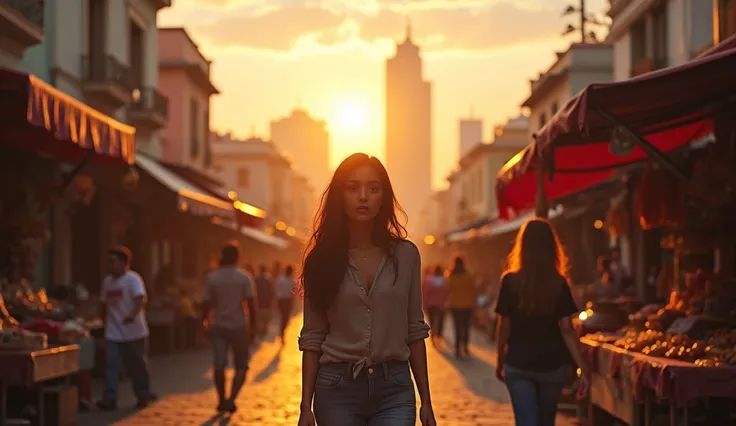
[462, 298]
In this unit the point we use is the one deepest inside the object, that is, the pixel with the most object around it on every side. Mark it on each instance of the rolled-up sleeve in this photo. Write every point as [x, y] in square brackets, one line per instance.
[314, 331]
[418, 328]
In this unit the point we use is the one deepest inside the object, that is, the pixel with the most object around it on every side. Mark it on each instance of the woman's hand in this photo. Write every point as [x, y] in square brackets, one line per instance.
[306, 418]
[583, 387]
[499, 373]
[426, 416]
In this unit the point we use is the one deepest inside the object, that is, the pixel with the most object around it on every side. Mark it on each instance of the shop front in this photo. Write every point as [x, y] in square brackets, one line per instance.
[46, 139]
[669, 137]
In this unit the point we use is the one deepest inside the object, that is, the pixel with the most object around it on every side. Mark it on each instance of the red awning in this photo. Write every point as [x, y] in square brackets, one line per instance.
[669, 108]
[37, 116]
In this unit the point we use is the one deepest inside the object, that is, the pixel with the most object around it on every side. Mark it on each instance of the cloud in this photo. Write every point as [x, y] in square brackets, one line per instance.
[277, 29]
[438, 25]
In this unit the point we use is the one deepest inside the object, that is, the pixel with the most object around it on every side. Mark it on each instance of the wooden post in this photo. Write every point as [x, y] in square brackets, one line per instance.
[542, 206]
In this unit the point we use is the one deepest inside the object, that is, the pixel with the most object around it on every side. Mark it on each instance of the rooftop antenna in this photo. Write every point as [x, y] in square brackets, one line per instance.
[408, 27]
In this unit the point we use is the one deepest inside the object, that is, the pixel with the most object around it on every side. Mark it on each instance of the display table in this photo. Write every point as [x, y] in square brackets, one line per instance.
[29, 369]
[625, 384]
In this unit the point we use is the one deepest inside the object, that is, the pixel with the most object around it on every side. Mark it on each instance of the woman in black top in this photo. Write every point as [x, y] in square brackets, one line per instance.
[535, 337]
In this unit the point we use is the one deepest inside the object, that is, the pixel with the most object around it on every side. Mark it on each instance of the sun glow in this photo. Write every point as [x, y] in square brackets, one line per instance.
[351, 117]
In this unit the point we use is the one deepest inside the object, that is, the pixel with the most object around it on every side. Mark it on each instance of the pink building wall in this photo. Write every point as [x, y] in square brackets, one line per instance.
[179, 60]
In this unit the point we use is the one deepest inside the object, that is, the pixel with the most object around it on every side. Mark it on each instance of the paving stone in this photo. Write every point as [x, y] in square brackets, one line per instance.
[465, 392]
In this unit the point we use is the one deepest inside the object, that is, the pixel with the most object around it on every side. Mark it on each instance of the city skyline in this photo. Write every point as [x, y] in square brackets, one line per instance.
[331, 62]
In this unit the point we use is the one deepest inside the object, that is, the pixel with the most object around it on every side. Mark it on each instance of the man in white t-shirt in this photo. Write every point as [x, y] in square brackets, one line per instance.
[123, 296]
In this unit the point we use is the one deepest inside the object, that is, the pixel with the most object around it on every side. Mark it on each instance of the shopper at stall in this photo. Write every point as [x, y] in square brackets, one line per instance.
[264, 289]
[227, 290]
[435, 300]
[462, 301]
[285, 298]
[123, 295]
[535, 337]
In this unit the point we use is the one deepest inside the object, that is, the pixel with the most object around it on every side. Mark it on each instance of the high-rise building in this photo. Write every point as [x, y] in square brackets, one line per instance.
[471, 133]
[306, 142]
[409, 129]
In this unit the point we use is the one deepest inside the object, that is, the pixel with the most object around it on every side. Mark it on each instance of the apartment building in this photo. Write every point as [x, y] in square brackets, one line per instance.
[574, 69]
[648, 35]
[21, 27]
[257, 171]
[105, 53]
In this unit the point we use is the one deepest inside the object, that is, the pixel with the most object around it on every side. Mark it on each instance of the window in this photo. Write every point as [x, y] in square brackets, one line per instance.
[207, 146]
[243, 178]
[638, 39]
[137, 44]
[96, 19]
[194, 129]
[659, 37]
[542, 120]
[555, 108]
[726, 19]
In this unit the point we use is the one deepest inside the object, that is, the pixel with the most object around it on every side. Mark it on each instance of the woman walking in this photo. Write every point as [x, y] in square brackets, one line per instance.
[435, 300]
[363, 323]
[285, 298]
[535, 337]
[462, 299]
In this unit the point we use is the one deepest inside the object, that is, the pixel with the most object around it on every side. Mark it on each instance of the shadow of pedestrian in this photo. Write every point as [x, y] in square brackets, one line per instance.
[217, 420]
[479, 375]
[271, 368]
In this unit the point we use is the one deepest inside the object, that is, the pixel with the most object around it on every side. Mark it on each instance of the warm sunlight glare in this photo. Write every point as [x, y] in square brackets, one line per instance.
[352, 117]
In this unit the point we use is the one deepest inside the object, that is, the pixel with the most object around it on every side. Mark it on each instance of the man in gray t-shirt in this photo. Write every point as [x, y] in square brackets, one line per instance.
[228, 290]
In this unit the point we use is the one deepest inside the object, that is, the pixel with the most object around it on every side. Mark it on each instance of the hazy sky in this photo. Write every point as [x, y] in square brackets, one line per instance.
[328, 56]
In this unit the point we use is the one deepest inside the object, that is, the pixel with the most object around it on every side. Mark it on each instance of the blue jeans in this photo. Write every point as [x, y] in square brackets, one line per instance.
[134, 359]
[535, 395]
[381, 395]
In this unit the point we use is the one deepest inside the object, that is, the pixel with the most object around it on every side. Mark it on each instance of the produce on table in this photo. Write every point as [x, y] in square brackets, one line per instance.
[719, 348]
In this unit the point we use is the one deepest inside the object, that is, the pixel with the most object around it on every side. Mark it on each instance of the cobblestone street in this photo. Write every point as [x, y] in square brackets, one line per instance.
[464, 392]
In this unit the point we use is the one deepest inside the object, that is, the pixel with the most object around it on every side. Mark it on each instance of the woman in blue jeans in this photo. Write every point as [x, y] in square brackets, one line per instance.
[364, 329]
[535, 337]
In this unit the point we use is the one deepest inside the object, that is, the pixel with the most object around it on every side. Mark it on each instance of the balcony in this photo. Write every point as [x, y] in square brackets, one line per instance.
[149, 110]
[107, 81]
[21, 22]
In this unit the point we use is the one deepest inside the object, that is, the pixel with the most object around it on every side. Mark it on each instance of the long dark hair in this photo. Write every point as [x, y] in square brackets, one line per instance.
[326, 257]
[540, 262]
[458, 266]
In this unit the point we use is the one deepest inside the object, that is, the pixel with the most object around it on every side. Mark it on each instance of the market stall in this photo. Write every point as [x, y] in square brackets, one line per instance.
[670, 135]
[46, 139]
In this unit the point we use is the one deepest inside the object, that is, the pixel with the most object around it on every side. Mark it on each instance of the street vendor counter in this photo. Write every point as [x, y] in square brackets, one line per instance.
[29, 369]
[626, 384]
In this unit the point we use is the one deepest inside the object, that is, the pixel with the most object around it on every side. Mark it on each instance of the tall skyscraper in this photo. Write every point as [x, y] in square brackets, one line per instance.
[409, 130]
[471, 134]
[306, 141]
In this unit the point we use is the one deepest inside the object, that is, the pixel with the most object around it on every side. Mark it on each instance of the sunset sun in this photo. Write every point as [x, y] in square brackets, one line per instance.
[351, 117]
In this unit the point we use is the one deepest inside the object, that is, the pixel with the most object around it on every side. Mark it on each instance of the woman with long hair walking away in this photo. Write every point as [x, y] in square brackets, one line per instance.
[364, 329]
[435, 300]
[535, 337]
[462, 300]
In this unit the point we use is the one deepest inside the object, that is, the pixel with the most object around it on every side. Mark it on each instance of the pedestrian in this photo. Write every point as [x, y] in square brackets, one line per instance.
[435, 300]
[227, 289]
[462, 300]
[285, 297]
[123, 297]
[264, 290]
[535, 338]
[364, 329]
